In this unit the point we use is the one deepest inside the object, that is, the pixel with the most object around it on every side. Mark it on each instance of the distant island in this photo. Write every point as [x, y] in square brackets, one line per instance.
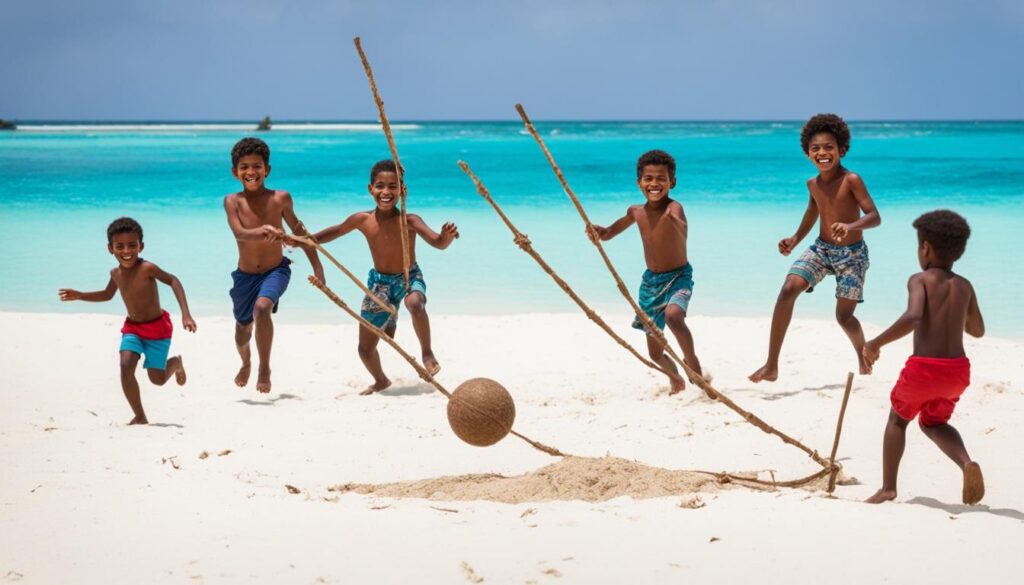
[7, 125]
[264, 124]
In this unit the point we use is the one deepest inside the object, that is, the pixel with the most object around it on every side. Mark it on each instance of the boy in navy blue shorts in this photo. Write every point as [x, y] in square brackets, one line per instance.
[838, 197]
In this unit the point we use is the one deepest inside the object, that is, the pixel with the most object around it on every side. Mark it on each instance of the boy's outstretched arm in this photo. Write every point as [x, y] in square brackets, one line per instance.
[678, 217]
[267, 233]
[596, 232]
[179, 293]
[870, 219]
[975, 323]
[288, 213]
[905, 324]
[786, 245]
[336, 231]
[70, 294]
[449, 232]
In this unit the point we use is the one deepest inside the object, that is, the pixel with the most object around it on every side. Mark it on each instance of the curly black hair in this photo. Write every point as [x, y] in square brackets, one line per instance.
[123, 225]
[247, 146]
[946, 231]
[384, 166]
[656, 157]
[829, 123]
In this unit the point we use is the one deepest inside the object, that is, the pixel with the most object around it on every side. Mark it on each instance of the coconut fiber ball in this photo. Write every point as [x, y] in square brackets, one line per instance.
[481, 412]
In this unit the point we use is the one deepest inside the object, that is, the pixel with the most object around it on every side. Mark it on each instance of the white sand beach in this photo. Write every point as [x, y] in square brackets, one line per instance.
[202, 494]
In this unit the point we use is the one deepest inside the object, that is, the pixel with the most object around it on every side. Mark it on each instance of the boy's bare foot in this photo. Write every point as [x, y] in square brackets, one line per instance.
[376, 387]
[263, 381]
[242, 377]
[974, 484]
[139, 420]
[179, 376]
[881, 496]
[764, 373]
[431, 365]
[676, 386]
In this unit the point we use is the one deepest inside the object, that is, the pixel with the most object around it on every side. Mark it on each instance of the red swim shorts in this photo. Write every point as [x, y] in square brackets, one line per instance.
[931, 387]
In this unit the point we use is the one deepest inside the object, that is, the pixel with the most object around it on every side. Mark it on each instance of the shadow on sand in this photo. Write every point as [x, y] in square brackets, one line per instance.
[269, 401]
[409, 390]
[167, 425]
[965, 509]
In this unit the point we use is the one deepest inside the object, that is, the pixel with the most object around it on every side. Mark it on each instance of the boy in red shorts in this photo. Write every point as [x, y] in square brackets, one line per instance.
[942, 306]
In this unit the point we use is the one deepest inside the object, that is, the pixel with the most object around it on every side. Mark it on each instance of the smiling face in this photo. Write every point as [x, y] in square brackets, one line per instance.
[126, 248]
[251, 171]
[385, 190]
[655, 182]
[824, 151]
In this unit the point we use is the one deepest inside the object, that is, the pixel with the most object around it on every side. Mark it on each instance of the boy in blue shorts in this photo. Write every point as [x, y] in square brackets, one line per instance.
[382, 229]
[838, 197]
[667, 284]
[147, 329]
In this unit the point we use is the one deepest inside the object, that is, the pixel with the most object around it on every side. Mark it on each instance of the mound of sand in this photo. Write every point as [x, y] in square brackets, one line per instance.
[572, 478]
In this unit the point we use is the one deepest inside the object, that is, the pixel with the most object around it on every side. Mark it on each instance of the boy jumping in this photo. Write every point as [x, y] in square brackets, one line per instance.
[837, 198]
[147, 328]
[667, 283]
[942, 306]
[382, 229]
[254, 215]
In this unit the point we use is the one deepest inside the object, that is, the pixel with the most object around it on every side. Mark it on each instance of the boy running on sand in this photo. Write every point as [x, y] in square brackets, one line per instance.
[255, 214]
[941, 307]
[381, 227]
[837, 198]
[667, 283]
[147, 328]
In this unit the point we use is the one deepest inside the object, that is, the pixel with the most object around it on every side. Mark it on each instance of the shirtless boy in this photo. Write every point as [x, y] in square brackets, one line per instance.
[667, 283]
[838, 197]
[381, 227]
[147, 329]
[255, 216]
[942, 306]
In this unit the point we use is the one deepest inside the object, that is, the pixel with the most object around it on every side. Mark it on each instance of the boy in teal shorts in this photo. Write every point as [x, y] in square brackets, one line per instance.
[381, 227]
[841, 200]
[147, 329]
[667, 284]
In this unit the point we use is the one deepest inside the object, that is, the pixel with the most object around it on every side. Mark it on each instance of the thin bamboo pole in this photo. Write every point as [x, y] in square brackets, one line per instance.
[386, 125]
[839, 429]
[523, 242]
[424, 374]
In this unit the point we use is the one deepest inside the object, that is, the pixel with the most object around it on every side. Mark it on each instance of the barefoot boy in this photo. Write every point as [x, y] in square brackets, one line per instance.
[147, 329]
[837, 197]
[381, 227]
[942, 306]
[254, 215]
[667, 283]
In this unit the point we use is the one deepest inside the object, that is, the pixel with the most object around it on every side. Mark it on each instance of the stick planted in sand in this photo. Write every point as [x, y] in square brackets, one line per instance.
[310, 242]
[839, 430]
[657, 333]
[523, 242]
[386, 125]
[424, 374]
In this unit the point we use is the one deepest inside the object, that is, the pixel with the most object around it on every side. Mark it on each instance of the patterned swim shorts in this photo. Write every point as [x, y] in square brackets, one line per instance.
[390, 288]
[658, 290]
[849, 264]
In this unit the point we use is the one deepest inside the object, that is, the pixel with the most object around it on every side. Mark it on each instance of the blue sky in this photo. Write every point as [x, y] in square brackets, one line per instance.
[468, 60]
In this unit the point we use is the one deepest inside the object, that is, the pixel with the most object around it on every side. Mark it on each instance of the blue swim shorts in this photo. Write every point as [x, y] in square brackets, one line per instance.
[390, 288]
[248, 287]
[849, 264]
[155, 350]
[658, 290]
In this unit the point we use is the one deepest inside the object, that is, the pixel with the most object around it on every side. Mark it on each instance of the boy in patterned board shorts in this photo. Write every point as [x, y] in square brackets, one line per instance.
[941, 308]
[667, 284]
[382, 228]
[838, 197]
[147, 328]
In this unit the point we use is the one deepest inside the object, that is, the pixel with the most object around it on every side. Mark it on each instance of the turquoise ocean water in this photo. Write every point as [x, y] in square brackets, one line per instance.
[742, 185]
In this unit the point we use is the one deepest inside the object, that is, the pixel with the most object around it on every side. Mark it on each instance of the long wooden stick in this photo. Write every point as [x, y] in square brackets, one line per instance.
[424, 374]
[641, 315]
[399, 170]
[839, 430]
[380, 303]
[523, 242]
